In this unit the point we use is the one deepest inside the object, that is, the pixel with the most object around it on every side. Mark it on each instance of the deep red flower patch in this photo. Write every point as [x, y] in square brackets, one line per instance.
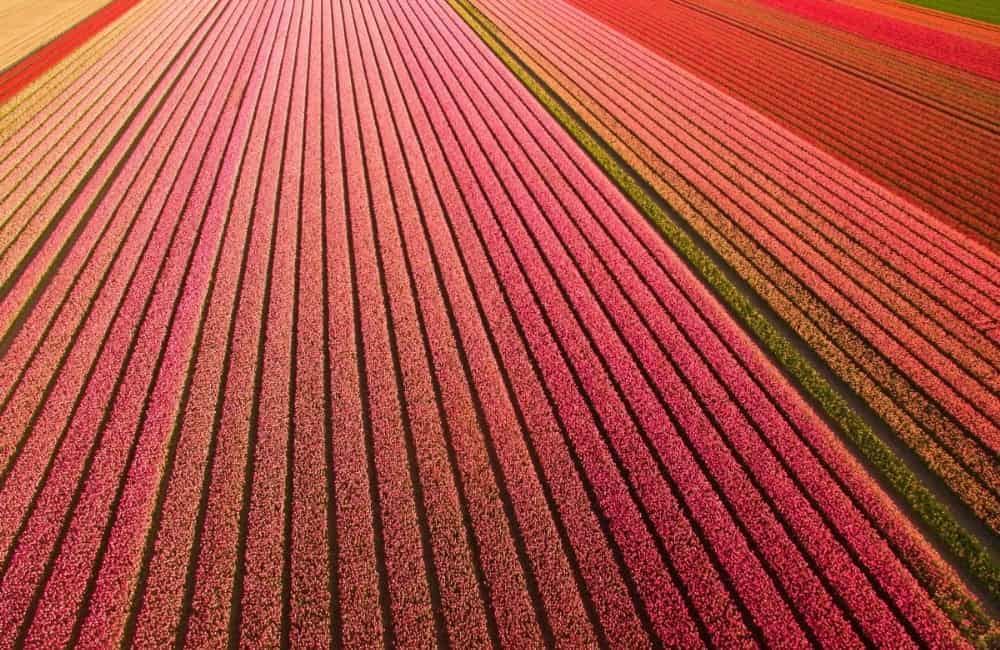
[900, 120]
[975, 56]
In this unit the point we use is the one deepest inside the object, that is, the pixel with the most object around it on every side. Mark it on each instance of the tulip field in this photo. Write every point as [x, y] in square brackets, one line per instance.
[499, 323]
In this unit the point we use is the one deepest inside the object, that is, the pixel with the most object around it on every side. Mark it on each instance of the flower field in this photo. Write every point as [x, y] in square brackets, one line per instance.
[344, 323]
[38, 34]
[903, 313]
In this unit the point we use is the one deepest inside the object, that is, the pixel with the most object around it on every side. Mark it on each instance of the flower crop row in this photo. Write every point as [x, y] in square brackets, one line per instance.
[37, 63]
[318, 329]
[947, 40]
[98, 432]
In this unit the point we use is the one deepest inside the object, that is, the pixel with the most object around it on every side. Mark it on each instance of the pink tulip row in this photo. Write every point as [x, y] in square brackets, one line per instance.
[630, 534]
[772, 199]
[311, 557]
[236, 577]
[44, 107]
[718, 531]
[514, 522]
[356, 585]
[692, 157]
[116, 565]
[34, 202]
[459, 193]
[31, 282]
[159, 604]
[96, 439]
[44, 338]
[961, 295]
[52, 418]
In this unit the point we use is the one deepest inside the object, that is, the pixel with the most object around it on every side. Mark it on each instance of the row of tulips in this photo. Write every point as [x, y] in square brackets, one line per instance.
[54, 41]
[59, 220]
[959, 43]
[581, 308]
[95, 451]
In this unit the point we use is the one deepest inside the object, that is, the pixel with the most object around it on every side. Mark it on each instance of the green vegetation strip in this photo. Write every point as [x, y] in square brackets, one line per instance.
[967, 614]
[984, 10]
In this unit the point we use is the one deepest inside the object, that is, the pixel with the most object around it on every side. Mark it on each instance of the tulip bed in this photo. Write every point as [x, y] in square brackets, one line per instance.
[924, 130]
[969, 45]
[980, 10]
[324, 324]
[835, 267]
[34, 49]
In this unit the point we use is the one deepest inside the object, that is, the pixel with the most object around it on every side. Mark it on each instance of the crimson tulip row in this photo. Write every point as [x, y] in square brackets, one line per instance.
[940, 37]
[941, 86]
[772, 203]
[25, 117]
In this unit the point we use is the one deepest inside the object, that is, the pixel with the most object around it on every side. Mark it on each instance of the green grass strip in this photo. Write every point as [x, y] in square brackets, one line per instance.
[967, 614]
[987, 11]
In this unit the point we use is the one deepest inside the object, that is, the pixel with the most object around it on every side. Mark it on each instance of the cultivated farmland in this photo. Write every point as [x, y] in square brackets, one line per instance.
[902, 309]
[336, 323]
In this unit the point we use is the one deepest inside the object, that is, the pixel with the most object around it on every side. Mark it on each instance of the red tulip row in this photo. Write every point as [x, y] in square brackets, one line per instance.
[959, 48]
[818, 210]
[952, 23]
[755, 213]
[942, 162]
[942, 86]
[28, 69]
[33, 115]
